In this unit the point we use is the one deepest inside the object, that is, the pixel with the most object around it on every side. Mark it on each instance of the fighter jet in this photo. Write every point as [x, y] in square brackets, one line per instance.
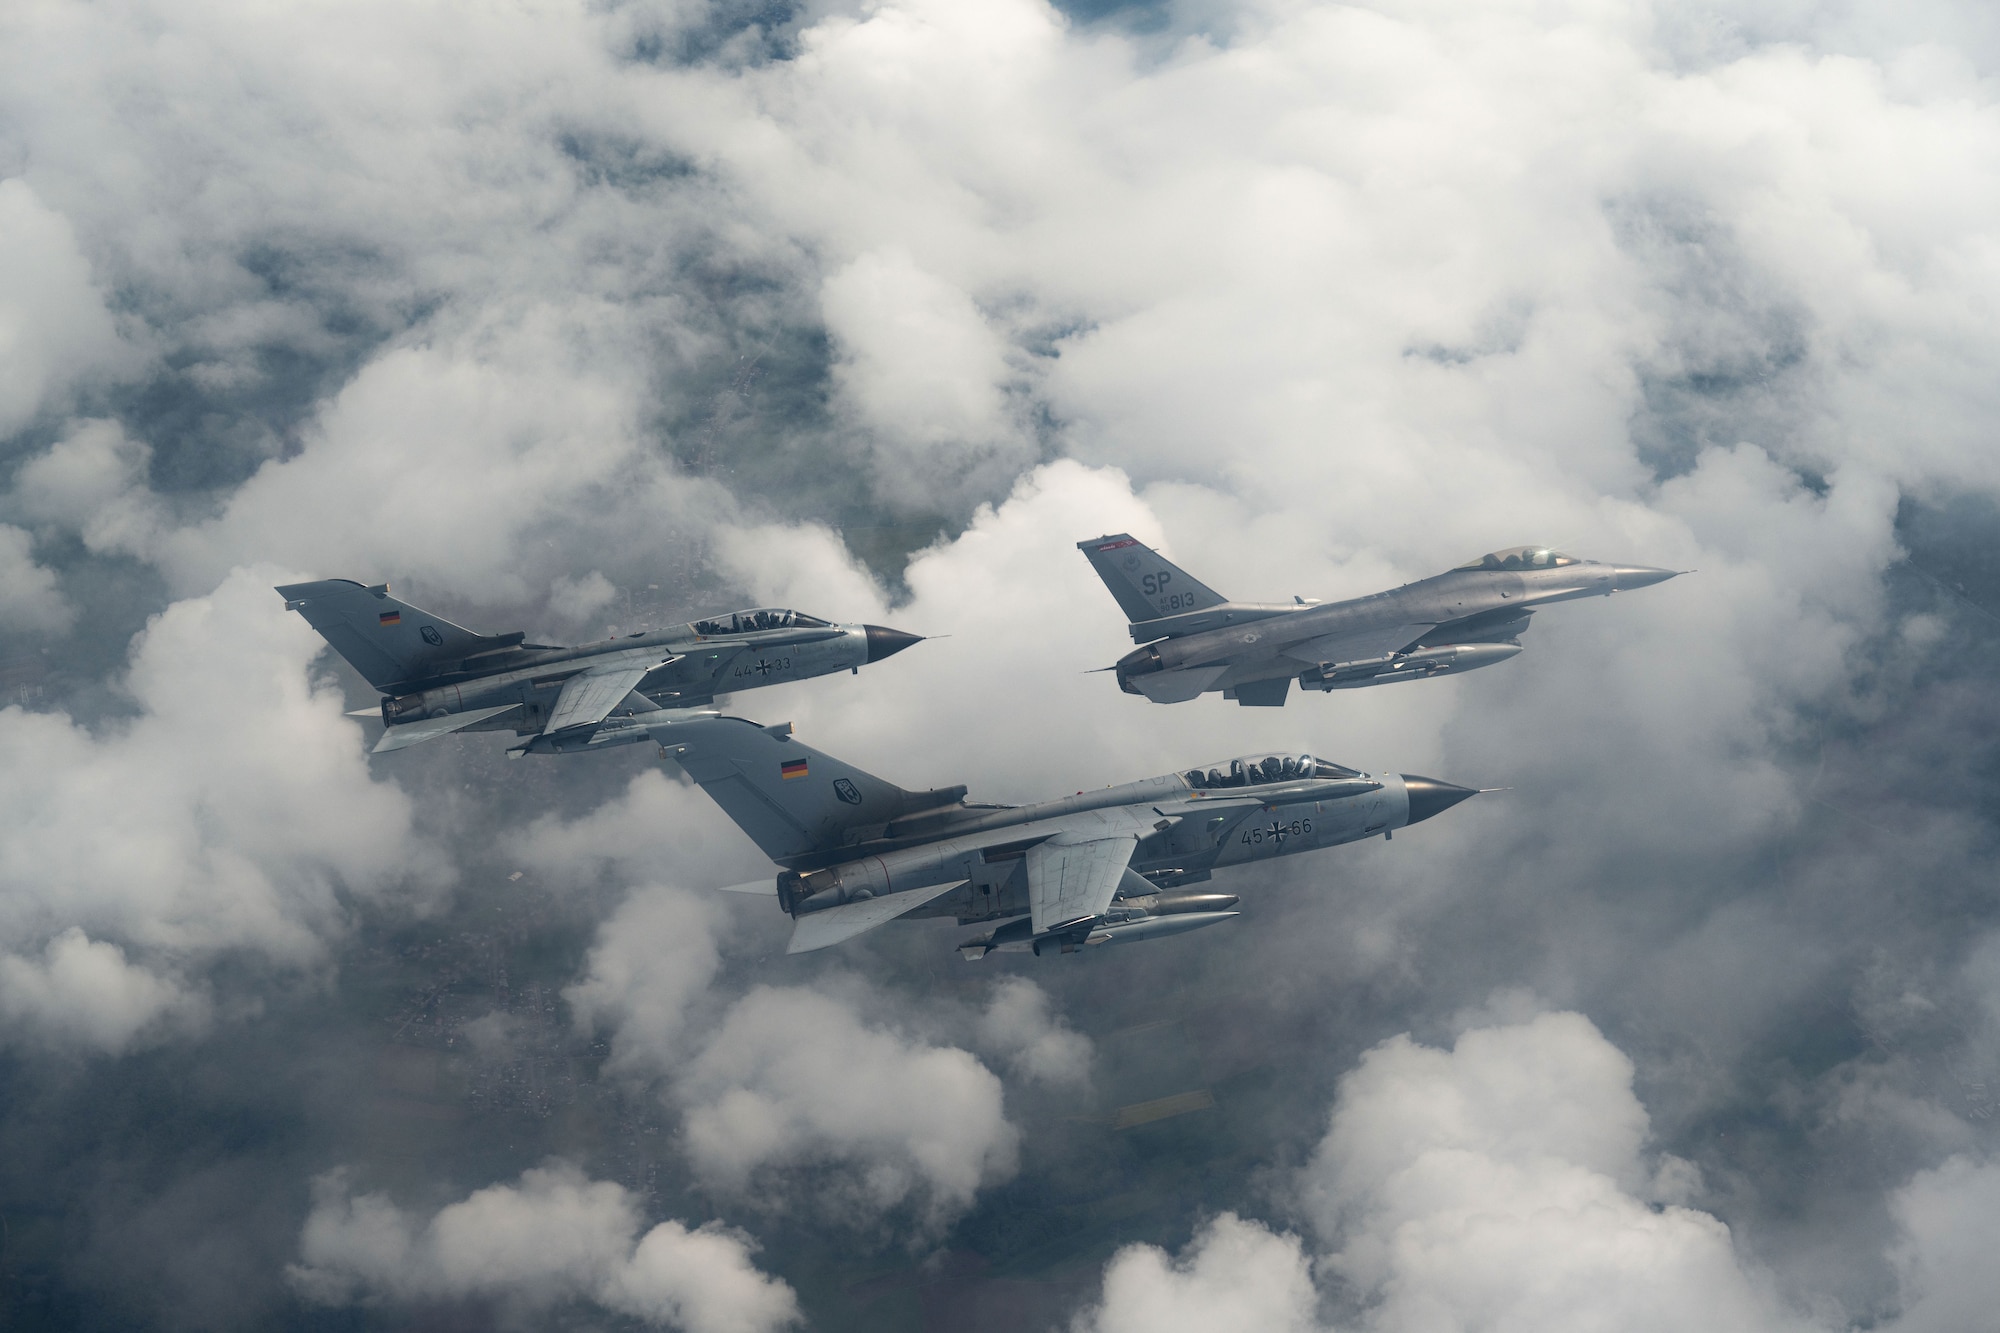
[437, 677]
[1196, 640]
[1096, 868]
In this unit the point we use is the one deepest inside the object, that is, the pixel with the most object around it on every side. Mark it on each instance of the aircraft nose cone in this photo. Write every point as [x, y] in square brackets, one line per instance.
[1428, 796]
[884, 642]
[1624, 578]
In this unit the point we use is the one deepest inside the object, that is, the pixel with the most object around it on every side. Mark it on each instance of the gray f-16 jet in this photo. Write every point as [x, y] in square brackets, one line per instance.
[436, 677]
[1196, 640]
[1101, 867]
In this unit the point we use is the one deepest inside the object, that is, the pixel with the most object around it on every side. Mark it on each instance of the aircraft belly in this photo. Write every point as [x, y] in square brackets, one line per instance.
[1267, 667]
[1179, 686]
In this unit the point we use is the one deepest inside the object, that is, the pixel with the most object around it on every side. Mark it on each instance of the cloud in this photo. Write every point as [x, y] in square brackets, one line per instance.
[82, 993]
[231, 814]
[653, 959]
[793, 1081]
[537, 308]
[1949, 1217]
[54, 328]
[1018, 1024]
[1504, 1183]
[654, 819]
[29, 597]
[441, 460]
[926, 375]
[1236, 1276]
[93, 482]
[556, 1236]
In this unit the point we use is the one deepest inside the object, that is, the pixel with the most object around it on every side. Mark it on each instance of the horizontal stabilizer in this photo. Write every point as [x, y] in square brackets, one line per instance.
[416, 733]
[816, 930]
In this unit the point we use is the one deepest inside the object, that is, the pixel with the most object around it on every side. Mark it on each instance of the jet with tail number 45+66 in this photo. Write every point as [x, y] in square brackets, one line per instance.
[1102, 867]
[1196, 640]
[436, 677]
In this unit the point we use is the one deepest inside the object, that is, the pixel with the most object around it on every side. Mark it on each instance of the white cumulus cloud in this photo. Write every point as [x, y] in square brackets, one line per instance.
[555, 1236]
[793, 1079]
[229, 814]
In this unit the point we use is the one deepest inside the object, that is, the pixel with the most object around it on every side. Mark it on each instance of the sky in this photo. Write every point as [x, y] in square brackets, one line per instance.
[578, 318]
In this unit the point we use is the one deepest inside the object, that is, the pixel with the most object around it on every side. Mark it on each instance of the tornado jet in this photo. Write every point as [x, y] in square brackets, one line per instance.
[1195, 640]
[1079, 872]
[437, 678]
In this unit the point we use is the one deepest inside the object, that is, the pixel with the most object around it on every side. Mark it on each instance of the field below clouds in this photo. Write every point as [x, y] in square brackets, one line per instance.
[579, 319]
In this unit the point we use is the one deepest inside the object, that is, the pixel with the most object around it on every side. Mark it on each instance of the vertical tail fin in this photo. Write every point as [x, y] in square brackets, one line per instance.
[791, 799]
[1147, 585]
[391, 643]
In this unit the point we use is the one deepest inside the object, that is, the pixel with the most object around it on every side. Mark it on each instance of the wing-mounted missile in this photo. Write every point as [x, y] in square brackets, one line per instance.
[640, 725]
[1128, 921]
[1418, 664]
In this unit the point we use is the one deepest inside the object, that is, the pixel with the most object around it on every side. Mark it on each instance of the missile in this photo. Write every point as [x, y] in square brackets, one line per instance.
[1154, 916]
[1417, 665]
[1145, 928]
[1170, 904]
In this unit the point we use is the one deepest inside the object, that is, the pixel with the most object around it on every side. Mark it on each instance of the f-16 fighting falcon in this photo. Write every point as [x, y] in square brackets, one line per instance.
[1196, 640]
[1101, 867]
[436, 677]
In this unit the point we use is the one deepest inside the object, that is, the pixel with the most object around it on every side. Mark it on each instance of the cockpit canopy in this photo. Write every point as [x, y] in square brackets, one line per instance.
[1259, 770]
[764, 617]
[1523, 557]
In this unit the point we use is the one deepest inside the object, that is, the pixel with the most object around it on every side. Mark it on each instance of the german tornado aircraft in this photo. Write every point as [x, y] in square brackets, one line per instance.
[1096, 868]
[1196, 640]
[436, 677]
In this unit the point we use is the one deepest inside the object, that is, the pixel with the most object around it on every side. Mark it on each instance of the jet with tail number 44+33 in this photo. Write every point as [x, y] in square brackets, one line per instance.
[1102, 867]
[1195, 640]
[436, 677]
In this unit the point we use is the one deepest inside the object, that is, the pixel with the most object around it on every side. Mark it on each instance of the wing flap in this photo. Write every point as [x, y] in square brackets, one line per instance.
[430, 728]
[1069, 881]
[816, 930]
[588, 697]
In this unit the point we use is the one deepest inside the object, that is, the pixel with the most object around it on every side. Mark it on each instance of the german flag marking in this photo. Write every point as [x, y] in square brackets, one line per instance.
[390, 618]
[792, 768]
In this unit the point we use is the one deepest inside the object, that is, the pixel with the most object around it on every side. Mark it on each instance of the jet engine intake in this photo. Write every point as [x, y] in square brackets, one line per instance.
[1139, 662]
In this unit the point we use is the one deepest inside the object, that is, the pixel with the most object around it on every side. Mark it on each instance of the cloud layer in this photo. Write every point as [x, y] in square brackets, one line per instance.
[573, 317]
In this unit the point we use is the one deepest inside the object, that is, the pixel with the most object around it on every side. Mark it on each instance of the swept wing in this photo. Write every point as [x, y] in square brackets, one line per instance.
[588, 697]
[1074, 879]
